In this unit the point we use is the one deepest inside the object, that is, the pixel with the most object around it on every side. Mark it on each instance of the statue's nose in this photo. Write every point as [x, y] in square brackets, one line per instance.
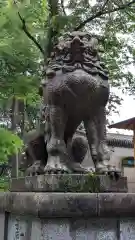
[77, 42]
[76, 39]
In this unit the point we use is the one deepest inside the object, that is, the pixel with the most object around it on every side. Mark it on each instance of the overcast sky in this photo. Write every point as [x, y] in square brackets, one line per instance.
[126, 110]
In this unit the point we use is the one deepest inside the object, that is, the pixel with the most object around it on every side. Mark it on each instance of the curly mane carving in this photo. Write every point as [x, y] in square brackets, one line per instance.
[77, 51]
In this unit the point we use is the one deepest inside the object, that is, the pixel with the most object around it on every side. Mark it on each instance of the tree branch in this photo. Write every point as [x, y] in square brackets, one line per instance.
[25, 29]
[101, 13]
[62, 6]
[52, 33]
[105, 3]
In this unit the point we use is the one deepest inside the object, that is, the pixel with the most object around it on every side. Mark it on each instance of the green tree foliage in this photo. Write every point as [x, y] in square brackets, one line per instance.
[9, 144]
[19, 75]
[18, 56]
[38, 24]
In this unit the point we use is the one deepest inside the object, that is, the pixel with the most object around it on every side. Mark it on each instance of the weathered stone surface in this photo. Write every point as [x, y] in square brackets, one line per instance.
[73, 229]
[68, 183]
[18, 228]
[2, 223]
[51, 229]
[108, 184]
[116, 204]
[70, 216]
[31, 228]
[48, 205]
[127, 229]
[20, 204]
[70, 205]
[56, 183]
[94, 229]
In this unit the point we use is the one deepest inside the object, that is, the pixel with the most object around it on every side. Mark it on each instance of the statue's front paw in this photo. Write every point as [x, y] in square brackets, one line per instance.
[114, 172]
[78, 168]
[106, 169]
[55, 165]
[101, 169]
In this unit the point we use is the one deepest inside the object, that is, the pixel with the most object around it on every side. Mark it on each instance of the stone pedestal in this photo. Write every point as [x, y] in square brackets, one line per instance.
[68, 183]
[22, 228]
[67, 216]
[71, 207]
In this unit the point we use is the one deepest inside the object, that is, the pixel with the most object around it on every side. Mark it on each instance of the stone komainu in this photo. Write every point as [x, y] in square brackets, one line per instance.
[76, 89]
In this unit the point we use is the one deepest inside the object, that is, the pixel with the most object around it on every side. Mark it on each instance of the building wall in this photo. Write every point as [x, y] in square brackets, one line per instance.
[117, 153]
[129, 172]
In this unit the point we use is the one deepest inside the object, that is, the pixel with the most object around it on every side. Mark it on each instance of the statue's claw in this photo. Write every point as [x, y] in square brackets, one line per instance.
[78, 168]
[117, 173]
[56, 170]
[101, 168]
[112, 171]
[55, 166]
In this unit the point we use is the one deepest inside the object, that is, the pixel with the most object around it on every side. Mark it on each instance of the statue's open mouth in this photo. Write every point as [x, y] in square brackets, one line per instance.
[77, 49]
[76, 43]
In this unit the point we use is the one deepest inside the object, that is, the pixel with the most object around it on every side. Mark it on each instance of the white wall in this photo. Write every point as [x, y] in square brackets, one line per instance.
[117, 154]
[120, 153]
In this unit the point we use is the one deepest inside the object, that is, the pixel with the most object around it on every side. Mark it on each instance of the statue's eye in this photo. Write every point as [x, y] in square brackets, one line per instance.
[85, 39]
[88, 37]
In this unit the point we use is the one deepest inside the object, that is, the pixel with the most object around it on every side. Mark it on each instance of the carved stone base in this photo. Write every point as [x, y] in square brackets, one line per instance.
[68, 183]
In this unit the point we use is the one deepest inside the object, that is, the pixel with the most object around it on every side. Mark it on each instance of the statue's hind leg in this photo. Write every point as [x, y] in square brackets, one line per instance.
[103, 150]
[56, 147]
[91, 133]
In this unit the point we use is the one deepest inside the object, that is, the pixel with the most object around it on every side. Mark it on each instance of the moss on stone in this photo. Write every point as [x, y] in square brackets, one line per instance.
[79, 183]
[69, 183]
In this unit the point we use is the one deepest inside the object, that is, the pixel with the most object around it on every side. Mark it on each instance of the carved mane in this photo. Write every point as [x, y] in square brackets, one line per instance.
[77, 50]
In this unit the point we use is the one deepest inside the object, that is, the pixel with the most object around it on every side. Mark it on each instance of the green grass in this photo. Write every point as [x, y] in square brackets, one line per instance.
[4, 184]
